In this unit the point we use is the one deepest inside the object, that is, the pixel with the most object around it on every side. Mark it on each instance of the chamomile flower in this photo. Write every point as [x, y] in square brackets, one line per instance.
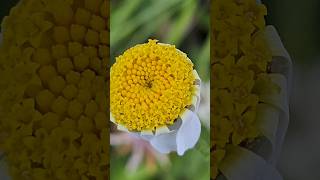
[53, 120]
[154, 93]
[250, 75]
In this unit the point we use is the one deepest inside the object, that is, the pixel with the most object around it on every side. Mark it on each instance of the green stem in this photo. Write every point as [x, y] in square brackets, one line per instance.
[203, 148]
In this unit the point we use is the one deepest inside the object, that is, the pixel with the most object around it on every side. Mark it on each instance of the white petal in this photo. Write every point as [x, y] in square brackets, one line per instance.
[283, 116]
[165, 143]
[162, 130]
[275, 43]
[189, 132]
[268, 119]
[279, 100]
[112, 118]
[122, 128]
[198, 97]
[242, 164]
[146, 135]
[281, 59]
[281, 132]
[195, 101]
[146, 132]
[196, 75]
[281, 64]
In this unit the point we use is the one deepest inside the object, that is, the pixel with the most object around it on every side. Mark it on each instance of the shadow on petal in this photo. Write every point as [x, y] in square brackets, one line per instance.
[189, 132]
[165, 143]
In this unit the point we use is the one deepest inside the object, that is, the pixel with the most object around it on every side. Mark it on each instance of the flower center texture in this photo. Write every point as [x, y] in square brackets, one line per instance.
[240, 57]
[53, 104]
[150, 86]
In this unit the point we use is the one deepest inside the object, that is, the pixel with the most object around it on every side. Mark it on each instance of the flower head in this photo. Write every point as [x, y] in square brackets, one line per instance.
[245, 89]
[153, 90]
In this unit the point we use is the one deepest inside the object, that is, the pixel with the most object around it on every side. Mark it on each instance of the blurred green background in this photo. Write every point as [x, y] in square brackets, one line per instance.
[184, 23]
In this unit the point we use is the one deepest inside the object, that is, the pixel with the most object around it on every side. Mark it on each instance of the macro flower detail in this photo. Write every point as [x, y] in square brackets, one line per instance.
[53, 102]
[155, 93]
[251, 71]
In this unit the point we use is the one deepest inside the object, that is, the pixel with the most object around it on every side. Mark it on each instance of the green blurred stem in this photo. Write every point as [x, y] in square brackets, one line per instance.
[180, 26]
[203, 147]
[204, 59]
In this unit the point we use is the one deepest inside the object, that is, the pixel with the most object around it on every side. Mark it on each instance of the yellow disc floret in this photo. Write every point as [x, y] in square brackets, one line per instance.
[151, 84]
[240, 58]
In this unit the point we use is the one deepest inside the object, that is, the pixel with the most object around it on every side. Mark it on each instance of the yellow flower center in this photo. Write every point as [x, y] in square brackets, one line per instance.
[53, 104]
[151, 84]
[240, 57]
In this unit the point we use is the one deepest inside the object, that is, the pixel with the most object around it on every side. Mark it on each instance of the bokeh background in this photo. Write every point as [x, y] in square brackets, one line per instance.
[184, 23]
[298, 25]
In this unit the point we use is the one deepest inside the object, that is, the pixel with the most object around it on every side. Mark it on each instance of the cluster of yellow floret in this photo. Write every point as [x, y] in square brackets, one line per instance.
[53, 95]
[151, 84]
[240, 58]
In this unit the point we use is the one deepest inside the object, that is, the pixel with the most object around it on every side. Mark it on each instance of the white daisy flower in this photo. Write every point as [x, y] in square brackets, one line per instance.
[155, 94]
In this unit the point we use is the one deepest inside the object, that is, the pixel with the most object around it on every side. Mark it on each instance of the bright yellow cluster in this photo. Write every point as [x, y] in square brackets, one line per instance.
[150, 86]
[53, 104]
[240, 57]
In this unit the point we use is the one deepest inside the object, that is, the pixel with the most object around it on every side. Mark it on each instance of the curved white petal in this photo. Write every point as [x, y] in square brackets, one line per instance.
[195, 101]
[162, 130]
[242, 164]
[281, 81]
[281, 64]
[267, 121]
[179, 140]
[281, 59]
[197, 98]
[196, 75]
[122, 128]
[165, 143]
[278, 99]
[112, 118]
[189, 132]
[143, 135]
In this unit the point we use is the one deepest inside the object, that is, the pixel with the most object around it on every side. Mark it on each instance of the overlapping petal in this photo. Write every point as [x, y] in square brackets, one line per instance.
[272, 122]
